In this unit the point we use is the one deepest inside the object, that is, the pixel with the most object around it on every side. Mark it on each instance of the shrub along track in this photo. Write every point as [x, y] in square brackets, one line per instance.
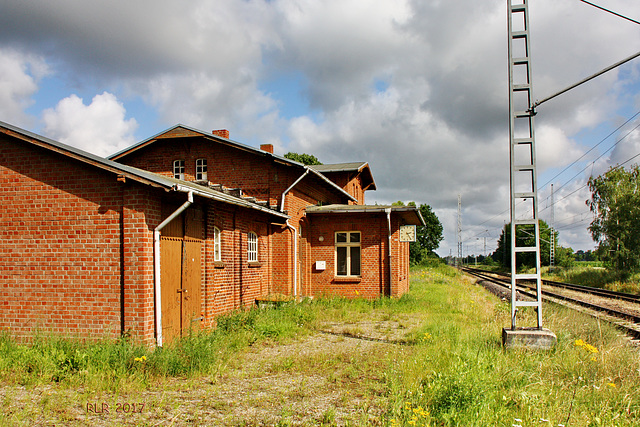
[331, 376]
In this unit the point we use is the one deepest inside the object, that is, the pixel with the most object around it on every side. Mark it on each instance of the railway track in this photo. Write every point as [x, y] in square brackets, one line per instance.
[620, 309]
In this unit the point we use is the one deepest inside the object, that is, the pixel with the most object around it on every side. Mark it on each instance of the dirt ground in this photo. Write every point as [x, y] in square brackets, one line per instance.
[334, 376]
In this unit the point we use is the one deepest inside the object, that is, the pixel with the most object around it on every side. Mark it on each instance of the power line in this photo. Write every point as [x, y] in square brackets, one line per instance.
[610, 11]
[590, 150]
[593, 163]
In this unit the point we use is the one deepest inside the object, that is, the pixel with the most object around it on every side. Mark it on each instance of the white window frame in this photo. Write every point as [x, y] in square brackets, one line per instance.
[252, 247]
[201, 169]
[348, 245]
[178, 169]
[217, 245]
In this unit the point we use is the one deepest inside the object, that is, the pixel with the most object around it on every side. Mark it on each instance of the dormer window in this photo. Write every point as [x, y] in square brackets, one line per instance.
[178, 169]
[201, 170]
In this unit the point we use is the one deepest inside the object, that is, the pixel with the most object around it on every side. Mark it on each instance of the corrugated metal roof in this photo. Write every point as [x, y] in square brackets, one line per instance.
[146, 177]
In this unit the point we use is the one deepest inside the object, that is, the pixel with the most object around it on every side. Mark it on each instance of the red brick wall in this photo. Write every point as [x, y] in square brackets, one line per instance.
[351, 182]
[234, 283]
[141, 214]
[66, 231]
[258, 176]
[319, 245]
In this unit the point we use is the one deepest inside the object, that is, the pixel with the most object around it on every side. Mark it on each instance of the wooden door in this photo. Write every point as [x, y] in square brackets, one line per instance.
[190, 292]
[181, 274]
[170, 283]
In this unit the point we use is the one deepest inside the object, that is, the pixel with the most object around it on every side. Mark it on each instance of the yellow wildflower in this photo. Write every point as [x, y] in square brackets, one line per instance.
[587, 347]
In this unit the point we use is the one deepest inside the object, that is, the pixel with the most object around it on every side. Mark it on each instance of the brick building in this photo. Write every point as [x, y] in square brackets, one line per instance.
[164, 236]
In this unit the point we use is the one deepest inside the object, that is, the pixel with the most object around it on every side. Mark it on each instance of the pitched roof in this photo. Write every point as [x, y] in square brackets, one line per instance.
[139, 175]
[411, 214]
[231, 143]
[355, 167]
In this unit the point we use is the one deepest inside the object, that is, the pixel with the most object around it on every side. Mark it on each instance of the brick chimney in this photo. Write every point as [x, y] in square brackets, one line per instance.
[221, 132]
[267, 147]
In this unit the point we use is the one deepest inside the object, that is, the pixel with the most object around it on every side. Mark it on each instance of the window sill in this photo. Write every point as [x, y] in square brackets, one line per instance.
[254, 264]
[347, 279]
[218, 264]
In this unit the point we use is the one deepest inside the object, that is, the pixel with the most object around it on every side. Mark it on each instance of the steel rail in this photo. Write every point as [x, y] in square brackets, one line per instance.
[550, 296]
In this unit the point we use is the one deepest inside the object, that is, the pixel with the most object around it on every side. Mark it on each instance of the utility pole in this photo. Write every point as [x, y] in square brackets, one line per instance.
[459, 228]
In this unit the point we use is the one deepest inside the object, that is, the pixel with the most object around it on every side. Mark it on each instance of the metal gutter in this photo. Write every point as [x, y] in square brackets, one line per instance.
[388, 212]
[294, 232]
[284, 194]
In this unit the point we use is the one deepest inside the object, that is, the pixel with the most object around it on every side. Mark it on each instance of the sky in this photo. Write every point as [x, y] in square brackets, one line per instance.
[417, 88]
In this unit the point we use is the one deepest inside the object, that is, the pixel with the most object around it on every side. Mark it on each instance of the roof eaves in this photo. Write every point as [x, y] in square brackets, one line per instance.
[85, 157]
[207, 135]
[342, 209]
[186, 187]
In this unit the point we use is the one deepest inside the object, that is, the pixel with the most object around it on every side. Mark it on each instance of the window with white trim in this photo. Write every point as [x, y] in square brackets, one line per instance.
[217, 247]
[347, 253]
[178, 169]
[201, 169]
[252, 247]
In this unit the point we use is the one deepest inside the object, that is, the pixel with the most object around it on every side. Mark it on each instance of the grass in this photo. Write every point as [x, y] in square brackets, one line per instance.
[460, 375]
[597, 277]
[123, 365]
[452, 372]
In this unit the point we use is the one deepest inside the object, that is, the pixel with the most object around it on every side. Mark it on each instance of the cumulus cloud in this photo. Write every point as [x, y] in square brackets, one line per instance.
[100, 127]
[414, 87]
[19, 77]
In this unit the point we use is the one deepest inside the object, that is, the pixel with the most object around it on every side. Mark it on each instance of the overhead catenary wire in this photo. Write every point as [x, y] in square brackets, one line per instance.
[610, 11]
[593, 163]
[590, 150]
[534, 105]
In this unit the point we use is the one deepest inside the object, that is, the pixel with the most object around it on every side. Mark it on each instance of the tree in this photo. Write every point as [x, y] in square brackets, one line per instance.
[615, 202]
[305, 159]
[525, 237]
[428, 237]
[564, 257]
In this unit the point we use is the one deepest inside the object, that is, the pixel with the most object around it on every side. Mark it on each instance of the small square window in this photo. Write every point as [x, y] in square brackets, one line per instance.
[178, 169]
[201, 170]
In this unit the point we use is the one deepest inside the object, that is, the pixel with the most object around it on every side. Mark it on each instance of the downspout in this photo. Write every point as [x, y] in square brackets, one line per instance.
[294, 232]
[156, 264]
[388, 211]
[291, 187]
[295, 258]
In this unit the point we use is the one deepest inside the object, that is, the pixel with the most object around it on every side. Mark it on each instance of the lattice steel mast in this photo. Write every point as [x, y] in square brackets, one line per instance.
[459, 229]
[523, 177]
[552, 244]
